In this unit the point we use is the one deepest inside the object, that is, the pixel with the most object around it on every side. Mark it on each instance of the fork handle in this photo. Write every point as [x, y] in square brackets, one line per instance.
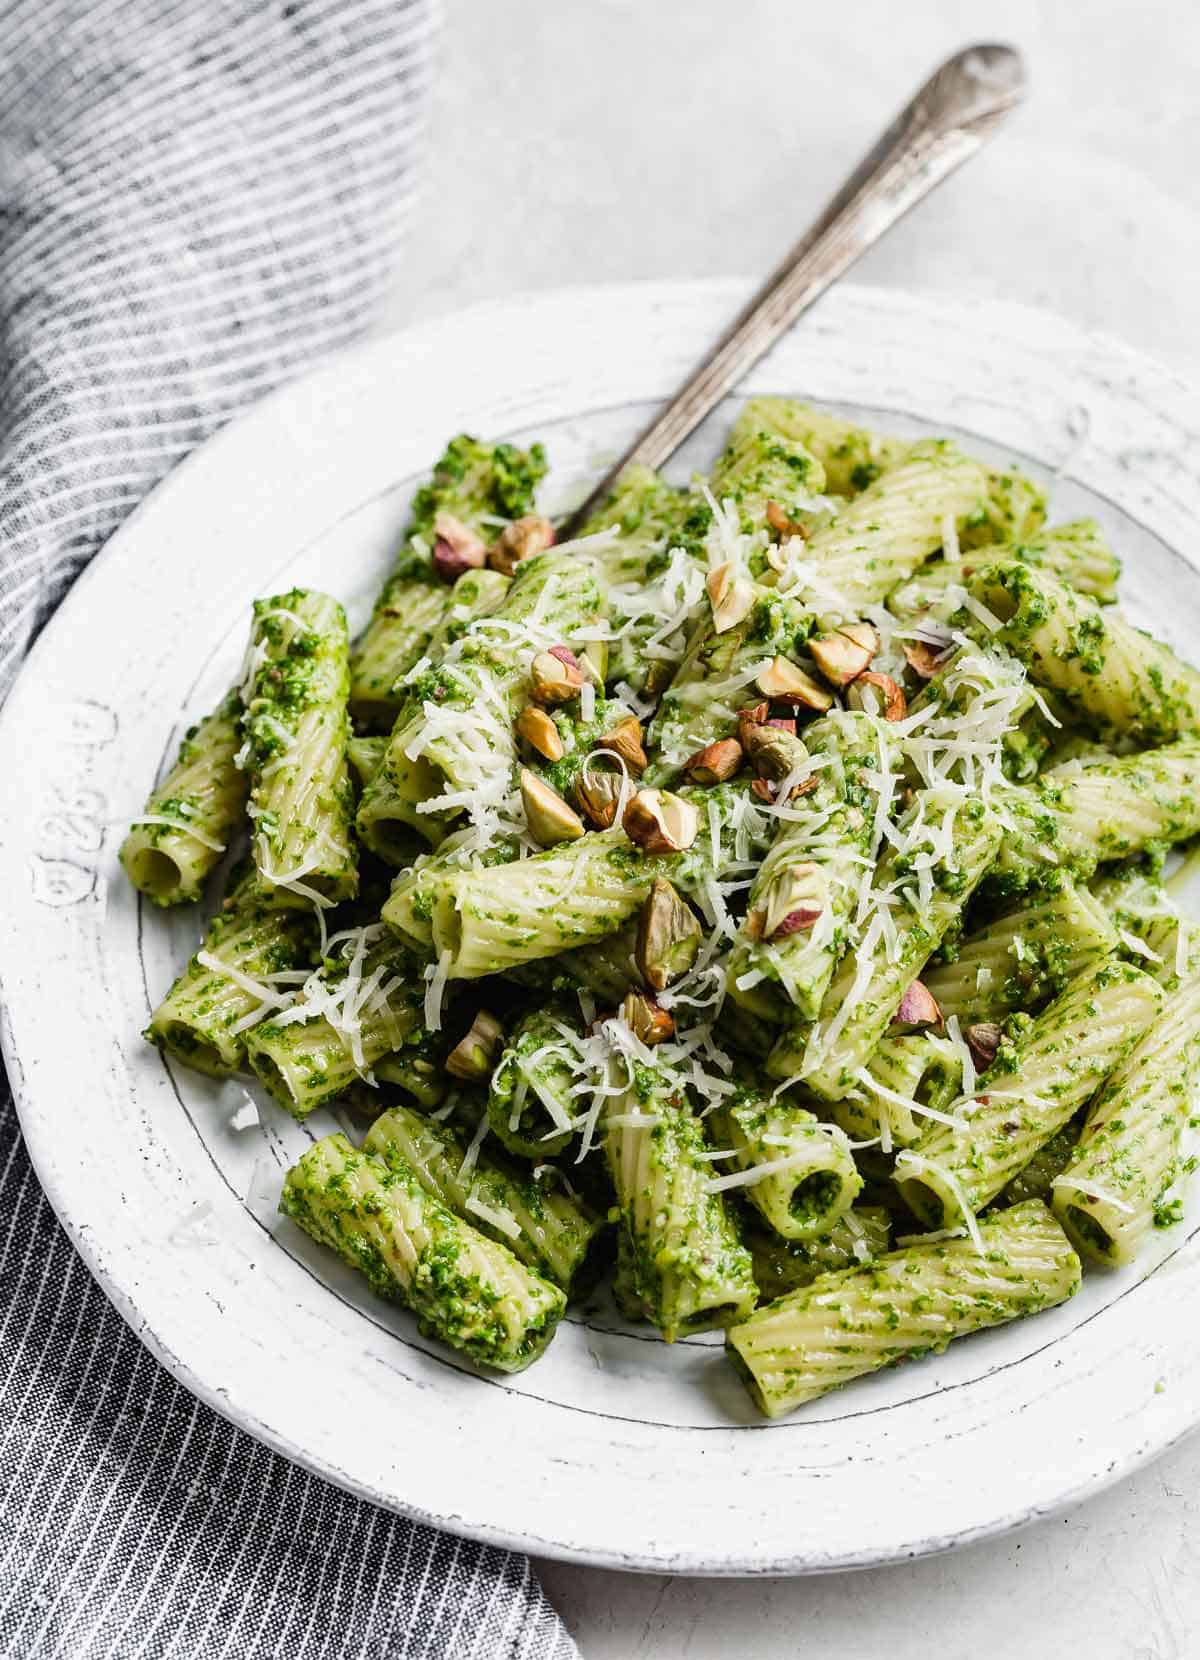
[955, 111]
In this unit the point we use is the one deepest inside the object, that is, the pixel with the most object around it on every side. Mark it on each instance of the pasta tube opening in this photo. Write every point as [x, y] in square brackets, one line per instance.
[1088, 1231]
[181, 1040]
[155, 873]
[815, 1196]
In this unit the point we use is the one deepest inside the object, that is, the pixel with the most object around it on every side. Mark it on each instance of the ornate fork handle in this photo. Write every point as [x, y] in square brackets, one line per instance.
[955, 111]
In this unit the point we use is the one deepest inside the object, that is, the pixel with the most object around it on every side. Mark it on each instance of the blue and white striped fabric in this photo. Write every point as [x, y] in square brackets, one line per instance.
[197, 198]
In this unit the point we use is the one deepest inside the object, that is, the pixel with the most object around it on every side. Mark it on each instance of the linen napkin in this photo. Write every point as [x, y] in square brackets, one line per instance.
[197, 198]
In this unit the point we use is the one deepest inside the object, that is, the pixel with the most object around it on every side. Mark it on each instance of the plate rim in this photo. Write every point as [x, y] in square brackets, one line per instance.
[36, 1124]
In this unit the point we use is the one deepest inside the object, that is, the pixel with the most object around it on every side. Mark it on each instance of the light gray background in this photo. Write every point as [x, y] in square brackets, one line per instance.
[585, 140]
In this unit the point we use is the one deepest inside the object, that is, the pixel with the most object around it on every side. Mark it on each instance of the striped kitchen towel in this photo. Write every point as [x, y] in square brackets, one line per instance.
[197, 198]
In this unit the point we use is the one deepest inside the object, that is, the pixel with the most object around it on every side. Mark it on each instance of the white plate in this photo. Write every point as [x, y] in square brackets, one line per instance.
[614, 1449]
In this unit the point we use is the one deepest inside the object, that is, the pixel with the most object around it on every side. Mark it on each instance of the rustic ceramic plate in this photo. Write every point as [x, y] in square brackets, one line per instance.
[614, 1449]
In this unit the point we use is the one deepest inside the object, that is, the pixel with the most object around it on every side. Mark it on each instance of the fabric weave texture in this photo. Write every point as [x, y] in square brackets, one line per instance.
[198, 198]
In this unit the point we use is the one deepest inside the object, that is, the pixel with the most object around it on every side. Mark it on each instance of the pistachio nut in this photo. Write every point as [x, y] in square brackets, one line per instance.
[756, 714]
[646, 1020]
[775, 753]
[658, 676]
[983, 1040]
[918, 1007]
[843, 655]
[625, 740]
[895, 704]
[668, 936]
[476, 1054]
[731, 595]
[598, 795]
[549, 817]
[520, 540]
[555, 676]
[784, 682]
[794, 901]
[540, 733]
[766, 789]
[716, 762]
[660, 822]
[456, 547]
[925, 660]
[781, 524]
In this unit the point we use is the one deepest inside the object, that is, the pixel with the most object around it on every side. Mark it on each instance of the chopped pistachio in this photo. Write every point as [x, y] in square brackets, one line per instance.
[520, 540]
[766, 789]
[646, 1020]
[625, 740]
[925, 660]
[658, 677]
[781, 524]
[784, 682]
[843, 655]
[668, 937]
[794, 901]
[716, 762]
[549, 817]
[660, 822]
[539, 731]
[555, 678]
[731, 595]
[598, 794]
[456, 547]
[756, 714]
[474, 1057]
[775, 753]
[895, 704]
[983, 1040]
[918, 1007]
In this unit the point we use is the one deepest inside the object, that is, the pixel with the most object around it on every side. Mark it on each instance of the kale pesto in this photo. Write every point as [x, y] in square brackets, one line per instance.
[895, 960]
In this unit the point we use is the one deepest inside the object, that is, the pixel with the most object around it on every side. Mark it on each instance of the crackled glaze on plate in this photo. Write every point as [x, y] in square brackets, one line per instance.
[615, 1449]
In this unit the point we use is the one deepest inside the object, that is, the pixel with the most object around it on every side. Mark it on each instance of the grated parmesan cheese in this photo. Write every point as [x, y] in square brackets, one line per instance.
[436, 976]
[962, 1054]
[758, 1173]
[979, 610]
[1131, 942]
[950, 547]
[246, 1116]
[920, 1164]
[266, 994]
[179, 824]
[1093, 1190]
[472, 1152]
[501, 1219]
[934, 1238]
[905, 1101]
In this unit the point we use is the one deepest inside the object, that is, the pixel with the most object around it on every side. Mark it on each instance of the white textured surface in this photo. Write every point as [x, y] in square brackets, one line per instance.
[610, 138]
